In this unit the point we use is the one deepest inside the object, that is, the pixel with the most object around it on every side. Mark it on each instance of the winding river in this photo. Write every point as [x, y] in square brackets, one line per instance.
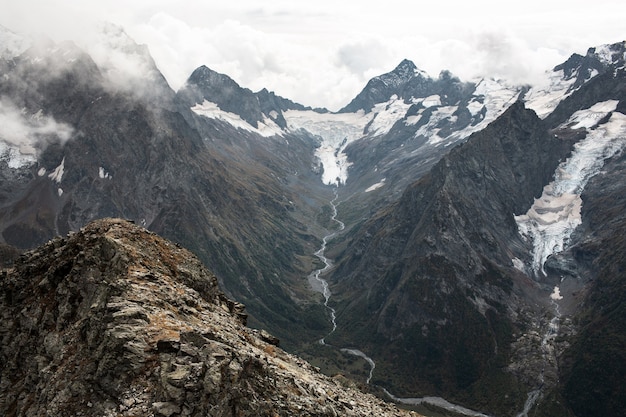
[319, 284]
[316, 281]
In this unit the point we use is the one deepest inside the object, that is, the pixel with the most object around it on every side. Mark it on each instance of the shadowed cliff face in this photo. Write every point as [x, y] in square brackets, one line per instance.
[424, 279]
[116, 320]
[222, 195]
[593, 368]
[431, 277]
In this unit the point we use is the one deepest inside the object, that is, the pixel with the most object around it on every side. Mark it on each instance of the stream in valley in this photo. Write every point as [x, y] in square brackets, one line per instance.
[319, 284]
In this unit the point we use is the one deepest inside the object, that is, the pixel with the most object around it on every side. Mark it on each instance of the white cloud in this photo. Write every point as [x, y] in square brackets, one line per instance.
[322, 53]
[29, 132]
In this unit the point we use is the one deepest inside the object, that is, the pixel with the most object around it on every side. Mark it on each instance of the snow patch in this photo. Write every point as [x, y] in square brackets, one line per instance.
[429, 130]
[590, 117]
[518, 264]
[556, 294]
[375, 186]
[430, 101]
[57, 174]
[41, 172]
[103, 174]
[497, 96]
[211, 110]
[14, 158]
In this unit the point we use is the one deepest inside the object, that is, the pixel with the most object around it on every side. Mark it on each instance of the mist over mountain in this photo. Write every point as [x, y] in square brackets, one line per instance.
[439, 241]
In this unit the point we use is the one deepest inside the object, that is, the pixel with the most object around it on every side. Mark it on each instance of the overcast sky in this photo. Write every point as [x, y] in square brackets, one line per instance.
[321, 53]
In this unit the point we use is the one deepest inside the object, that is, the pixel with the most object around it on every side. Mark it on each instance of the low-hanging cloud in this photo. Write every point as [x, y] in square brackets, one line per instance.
[317, 53]
[30, 133]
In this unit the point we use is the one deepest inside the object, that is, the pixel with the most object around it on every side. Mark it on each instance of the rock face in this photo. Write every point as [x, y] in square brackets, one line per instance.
[429, 280]
[407, 81]
[432, 280]
[593, 368]
[206, 84]
[205, 186]
[114, 320]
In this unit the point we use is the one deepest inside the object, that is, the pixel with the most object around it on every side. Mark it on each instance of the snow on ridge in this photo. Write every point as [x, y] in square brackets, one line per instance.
[494, 96]
[211, 110]
[497, 97]
[544, 97]
[336, 131]
[604, 54]
[553, 217]
[387, 114]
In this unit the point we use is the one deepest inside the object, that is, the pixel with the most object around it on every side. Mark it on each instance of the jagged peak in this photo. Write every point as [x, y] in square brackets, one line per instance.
[205, 77]
[409, 68]
[609, 54]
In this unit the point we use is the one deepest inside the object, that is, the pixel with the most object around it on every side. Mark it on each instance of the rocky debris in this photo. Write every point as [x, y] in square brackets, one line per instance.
[115, 321]
[7, 255]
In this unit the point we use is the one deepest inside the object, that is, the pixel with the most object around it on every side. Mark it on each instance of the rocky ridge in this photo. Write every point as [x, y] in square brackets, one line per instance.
[114, 320]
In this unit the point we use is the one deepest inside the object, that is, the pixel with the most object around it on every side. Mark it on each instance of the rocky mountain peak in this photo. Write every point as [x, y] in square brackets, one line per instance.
[407, 69]
[408, 82]
[597, 60]
[207, 84]
[612, 54]
[206, 77]
[114, 320]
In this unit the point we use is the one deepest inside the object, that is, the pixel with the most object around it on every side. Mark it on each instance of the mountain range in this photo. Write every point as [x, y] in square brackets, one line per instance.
[435, 238]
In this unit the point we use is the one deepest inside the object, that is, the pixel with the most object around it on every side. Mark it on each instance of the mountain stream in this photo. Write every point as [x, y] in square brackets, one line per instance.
[319, 284]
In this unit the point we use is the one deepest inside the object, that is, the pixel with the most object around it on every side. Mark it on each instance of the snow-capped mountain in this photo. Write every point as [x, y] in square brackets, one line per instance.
[474, 266]
[445, 265]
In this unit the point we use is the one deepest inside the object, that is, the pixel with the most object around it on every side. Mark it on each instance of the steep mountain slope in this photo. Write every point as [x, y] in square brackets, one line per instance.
[415, 120]
[593, 370]
[212, 90]
[114, 320]
[432, 274]
[456, 197]
[85, 148]
[438, 288]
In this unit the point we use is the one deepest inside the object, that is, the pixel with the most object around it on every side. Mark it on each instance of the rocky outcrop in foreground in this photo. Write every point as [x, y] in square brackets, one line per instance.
[116, 321]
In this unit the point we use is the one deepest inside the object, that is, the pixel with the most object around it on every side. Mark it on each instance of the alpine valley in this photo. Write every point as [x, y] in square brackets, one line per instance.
[454, 246]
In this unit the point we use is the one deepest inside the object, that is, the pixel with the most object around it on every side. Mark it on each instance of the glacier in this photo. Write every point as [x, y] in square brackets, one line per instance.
[335, 131]
[553, 217]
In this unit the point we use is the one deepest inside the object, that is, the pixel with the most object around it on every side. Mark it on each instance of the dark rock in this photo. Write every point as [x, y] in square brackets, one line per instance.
[87, 334]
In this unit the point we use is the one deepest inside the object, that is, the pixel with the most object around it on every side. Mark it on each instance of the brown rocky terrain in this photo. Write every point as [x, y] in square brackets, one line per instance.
[115, 321]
